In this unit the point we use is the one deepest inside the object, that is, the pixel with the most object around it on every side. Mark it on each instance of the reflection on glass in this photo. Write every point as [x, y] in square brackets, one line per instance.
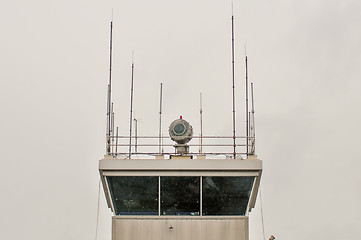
[180, 195]
[226, 195]
[134, 195]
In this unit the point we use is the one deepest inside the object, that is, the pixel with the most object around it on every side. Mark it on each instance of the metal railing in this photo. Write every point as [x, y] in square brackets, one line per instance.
[126, 147]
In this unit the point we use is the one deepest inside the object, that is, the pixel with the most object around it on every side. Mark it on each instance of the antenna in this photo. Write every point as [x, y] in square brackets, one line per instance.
[249, 131]
[107, 130]
[201, 116]
[109, 91]
[160, 118]
[247, 115]
[131, 111]
[116, 144]
[234, 111]
[253, 123]
[136, 135]
[112, 125]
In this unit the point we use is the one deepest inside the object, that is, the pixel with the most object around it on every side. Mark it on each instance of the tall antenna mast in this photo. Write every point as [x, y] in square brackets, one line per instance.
[247, 118]
[160, 118]
[201, 116]
[109, 91]
[131, 110]
[234, 107]
[253, 123]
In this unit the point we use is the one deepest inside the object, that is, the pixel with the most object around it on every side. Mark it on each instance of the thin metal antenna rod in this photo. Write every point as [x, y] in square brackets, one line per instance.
[116, 144]
[252, 99]
[131, 112]
[201, 116]
[112, 125]
[136, 135]
[247, 117]
[234, 111]
[107, 148]
[109, 90]
[249, 130]
[253, 122]
[160, 117]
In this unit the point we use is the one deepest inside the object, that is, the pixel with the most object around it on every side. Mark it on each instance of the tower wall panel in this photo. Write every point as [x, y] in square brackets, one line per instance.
[180, 229]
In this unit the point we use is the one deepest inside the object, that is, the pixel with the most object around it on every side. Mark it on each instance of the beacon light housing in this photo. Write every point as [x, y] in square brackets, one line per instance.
[180, 131]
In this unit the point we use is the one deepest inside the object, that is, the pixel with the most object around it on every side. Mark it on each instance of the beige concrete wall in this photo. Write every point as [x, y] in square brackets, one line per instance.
[180, 229]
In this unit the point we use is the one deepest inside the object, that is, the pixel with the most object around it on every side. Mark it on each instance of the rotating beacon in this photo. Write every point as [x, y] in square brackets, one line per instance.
[181, 132]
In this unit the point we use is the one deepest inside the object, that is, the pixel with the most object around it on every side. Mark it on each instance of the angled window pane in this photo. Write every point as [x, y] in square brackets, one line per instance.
[180, 195]
[226, 195]
[134, 195]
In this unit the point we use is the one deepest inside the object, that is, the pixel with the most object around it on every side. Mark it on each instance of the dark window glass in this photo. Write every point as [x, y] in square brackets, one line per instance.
[134, 195]
[226, 195]
[180, 195]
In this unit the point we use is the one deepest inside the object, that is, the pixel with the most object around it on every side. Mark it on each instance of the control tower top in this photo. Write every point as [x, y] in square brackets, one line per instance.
[175, 187]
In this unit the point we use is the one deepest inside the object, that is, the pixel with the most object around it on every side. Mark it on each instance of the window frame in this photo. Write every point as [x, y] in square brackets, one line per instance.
[199, 174]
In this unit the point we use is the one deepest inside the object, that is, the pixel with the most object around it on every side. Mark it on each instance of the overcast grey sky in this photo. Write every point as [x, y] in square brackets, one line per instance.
[304, 60]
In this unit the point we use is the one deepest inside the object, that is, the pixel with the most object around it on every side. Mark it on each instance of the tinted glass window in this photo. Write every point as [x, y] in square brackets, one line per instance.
[180, 195]
[134, 195]
[226, 195]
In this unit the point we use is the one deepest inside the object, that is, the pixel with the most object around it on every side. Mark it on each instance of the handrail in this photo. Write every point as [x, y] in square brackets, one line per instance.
[221, 146]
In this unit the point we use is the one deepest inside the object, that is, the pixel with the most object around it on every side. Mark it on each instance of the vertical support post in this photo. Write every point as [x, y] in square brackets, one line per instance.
[247, 115]
[160, 118]
[249, 131]
[112, 128]
[116, 144]
[131, 113]
[136, 135]
[201, 197]
[201, 116]
[159, 195]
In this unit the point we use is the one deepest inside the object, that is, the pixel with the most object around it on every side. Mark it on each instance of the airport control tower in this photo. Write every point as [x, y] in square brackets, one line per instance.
[181, 195]
[178, 186]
